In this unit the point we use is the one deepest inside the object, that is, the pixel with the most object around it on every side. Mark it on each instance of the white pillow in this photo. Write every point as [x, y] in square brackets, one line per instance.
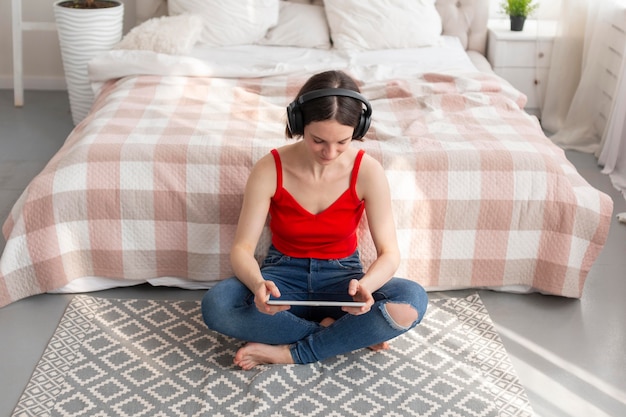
[383, 24]
[300, 25]
[230, 22]
[174, 35]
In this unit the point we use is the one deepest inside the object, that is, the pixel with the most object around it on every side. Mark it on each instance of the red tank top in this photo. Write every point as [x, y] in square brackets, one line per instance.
[331, 234]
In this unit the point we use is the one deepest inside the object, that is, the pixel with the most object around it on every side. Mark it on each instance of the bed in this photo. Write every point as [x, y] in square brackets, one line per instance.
[147, 188]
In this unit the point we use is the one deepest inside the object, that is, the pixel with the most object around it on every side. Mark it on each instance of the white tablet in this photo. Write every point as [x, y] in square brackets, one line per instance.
[315, 303]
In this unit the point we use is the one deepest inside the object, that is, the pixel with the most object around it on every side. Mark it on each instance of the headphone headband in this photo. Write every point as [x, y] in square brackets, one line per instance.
[295, 120]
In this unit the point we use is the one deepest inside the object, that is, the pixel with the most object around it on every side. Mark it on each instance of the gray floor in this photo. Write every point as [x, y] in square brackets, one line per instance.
[569, 354]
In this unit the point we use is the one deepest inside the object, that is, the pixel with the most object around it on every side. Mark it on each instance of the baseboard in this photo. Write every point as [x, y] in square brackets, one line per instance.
[35, 83]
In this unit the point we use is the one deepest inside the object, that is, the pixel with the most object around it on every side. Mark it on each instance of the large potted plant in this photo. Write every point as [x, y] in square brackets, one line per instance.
[86, 28]
[518, 11]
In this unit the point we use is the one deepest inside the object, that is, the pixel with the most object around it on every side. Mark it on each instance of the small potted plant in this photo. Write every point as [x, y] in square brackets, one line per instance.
[518, 11]
[85, 28]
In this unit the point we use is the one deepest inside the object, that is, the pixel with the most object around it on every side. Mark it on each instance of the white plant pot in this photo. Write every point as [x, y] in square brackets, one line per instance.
[83, 34]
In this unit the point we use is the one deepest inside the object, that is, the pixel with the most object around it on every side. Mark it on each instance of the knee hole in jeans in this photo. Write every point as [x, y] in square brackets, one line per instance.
[401, 315]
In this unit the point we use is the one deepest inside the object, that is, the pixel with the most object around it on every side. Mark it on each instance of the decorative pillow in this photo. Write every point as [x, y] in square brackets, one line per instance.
[300, 25]
[382, 24]
[174, 35]
[230, 22]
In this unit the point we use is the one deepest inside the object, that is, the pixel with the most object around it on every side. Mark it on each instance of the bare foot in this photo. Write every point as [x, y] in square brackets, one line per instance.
[327, 321]
[377, 347]
[253, 354]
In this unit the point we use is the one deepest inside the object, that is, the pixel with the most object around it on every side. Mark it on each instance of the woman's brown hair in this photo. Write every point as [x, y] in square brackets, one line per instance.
[345, 110]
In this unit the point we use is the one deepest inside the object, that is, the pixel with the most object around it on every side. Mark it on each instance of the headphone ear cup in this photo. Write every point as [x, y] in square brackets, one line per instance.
[362, 127]
[294, 119]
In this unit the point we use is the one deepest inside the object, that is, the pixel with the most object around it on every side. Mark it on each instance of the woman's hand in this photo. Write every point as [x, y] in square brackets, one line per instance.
[361, 294]
[262, 294]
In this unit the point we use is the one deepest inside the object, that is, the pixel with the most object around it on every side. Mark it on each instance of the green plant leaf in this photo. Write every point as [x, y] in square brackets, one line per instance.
[519, 7]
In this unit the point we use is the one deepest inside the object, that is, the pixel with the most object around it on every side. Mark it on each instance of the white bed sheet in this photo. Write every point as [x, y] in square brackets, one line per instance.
[251, 61]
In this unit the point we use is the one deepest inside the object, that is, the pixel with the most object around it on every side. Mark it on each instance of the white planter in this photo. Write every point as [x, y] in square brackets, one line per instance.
[83, 34]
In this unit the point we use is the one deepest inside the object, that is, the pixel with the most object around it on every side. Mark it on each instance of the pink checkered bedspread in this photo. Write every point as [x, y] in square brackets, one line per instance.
[150, 185]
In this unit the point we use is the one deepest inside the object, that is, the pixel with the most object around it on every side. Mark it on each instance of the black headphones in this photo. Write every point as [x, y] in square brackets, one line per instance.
[295, 120]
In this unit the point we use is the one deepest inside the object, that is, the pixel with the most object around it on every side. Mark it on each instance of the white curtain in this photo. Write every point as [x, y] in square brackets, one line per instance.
[613, 146]
[576, 104]
[566, 64]
[585, 101]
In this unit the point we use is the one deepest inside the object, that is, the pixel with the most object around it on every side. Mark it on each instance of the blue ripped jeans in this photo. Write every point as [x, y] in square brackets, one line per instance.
[229, 308]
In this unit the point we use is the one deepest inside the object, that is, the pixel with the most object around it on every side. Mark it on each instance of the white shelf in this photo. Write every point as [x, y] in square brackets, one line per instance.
[19, 26]
[534, 30]
[523, 57]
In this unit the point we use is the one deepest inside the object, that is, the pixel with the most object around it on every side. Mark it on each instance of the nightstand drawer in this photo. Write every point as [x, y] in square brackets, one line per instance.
[520, 54]
[529, 81]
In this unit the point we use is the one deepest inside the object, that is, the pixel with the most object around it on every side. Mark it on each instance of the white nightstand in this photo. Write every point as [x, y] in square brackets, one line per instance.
[523, 58]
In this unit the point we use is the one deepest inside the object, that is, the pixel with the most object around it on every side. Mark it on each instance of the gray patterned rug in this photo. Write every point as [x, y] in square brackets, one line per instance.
[156, 358]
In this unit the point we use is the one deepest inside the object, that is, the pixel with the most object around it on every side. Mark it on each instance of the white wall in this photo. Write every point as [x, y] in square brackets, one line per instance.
[43, 68]
[42, 57]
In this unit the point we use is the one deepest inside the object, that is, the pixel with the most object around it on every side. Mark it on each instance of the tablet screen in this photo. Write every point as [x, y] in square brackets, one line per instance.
[315, 303]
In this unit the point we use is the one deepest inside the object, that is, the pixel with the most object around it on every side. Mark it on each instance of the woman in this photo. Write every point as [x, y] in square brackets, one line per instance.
[315, 191]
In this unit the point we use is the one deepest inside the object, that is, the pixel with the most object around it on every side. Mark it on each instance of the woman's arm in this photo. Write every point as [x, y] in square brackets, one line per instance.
[260, 188]
[373, 186]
